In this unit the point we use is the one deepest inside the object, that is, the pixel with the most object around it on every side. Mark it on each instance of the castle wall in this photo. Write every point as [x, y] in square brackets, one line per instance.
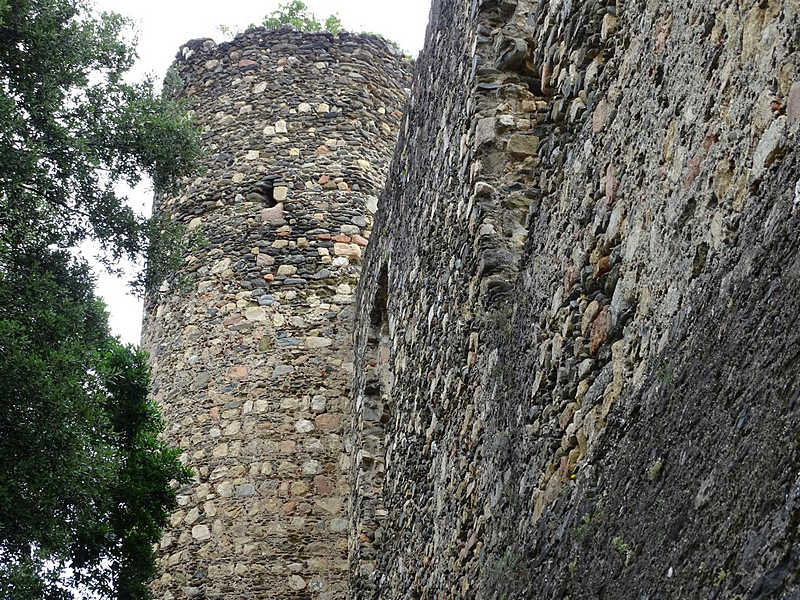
[251, 339]
[577, 320]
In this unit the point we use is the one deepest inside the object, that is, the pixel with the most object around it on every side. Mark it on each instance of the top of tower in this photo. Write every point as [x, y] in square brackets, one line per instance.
[261, 36]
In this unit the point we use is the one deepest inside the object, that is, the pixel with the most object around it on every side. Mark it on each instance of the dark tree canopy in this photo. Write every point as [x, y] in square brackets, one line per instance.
[86, 482]
[85, 478]
[72, 128]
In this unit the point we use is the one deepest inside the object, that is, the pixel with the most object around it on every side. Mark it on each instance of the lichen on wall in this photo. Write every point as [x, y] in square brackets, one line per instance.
[578, 310]
[250, 340]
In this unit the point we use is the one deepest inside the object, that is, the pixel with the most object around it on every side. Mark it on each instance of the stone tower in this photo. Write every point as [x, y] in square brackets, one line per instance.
[251, 340]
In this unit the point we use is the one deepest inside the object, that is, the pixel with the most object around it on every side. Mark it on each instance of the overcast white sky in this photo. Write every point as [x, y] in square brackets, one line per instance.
[163, 25]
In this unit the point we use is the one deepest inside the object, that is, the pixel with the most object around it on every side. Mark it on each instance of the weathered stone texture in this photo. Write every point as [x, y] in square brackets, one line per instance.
[577, 343]
[251, 339]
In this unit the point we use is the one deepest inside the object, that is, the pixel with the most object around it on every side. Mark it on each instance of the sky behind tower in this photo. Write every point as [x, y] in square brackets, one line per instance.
[164, 25]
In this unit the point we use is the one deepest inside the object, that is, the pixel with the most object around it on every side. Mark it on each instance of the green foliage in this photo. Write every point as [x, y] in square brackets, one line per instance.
[295, 14]
[573, 566]
[620, 546]
[71, 129]
[654, 472]
[582, 530]
[333, 24]
[173, 84]
[166, 243]
[86, 482]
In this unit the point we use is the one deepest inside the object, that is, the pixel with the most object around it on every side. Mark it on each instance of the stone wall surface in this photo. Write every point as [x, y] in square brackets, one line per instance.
[577, 351]
[251, 338]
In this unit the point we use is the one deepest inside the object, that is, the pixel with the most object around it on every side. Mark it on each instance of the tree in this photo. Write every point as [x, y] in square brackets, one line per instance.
[293, 13]
[85, 489]
[71, 129]
[296, 14]
[333, 24]
[85, 479]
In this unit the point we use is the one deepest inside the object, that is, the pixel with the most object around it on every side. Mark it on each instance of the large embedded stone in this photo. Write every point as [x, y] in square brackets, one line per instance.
[599, 330]
[522, 146]
[237, 372]
[255, 313]
[273, 216]
[280, 193]
[328, 421]
[246, 489]
[484, 132]
[304, 426]
[193, 515]
[600, 116]
[347, 250]
[317, 342]
[319, 403]
[608, 27]
[769, 147]
[297, 583]
[221, 266]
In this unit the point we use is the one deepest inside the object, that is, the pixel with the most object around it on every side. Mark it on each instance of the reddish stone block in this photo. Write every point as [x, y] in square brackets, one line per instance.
[603, 266]
[612, 183]
[324, 485]
[599, 330]
[328, 422]
[237, 372]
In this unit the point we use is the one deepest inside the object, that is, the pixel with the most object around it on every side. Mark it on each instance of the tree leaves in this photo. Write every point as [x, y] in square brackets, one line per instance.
[85, 490]
[71, 129]
[86, 479]
[296, 14]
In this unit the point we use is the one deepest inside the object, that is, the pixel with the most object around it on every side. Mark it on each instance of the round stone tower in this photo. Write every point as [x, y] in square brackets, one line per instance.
[251, 340]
